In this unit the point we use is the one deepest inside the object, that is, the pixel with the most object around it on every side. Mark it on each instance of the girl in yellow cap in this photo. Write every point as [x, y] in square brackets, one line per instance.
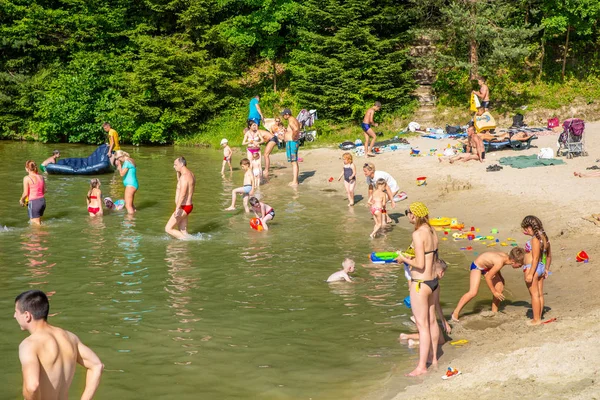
[422, 284]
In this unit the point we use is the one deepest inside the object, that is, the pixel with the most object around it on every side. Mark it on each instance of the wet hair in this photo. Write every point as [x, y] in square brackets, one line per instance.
[31, 166]
[535, 224]
[94, 183]
[34, 301]
[55, 152]
[380, 182]
[347, 157]
[181, 160]
[377, 104]
[440, 265]
[253, 201]
[369, 166]
[245, 161]
[517, 254]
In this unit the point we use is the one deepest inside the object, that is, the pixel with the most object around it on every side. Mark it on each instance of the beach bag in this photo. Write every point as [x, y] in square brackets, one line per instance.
[475, 103]
[546, 152]
[553, 123]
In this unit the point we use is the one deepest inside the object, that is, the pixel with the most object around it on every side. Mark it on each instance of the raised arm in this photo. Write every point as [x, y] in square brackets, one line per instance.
[122, 170]
[30, 367]
[94, 366]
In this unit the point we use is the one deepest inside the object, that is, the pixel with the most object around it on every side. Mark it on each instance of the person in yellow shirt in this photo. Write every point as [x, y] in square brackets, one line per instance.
[113, 141]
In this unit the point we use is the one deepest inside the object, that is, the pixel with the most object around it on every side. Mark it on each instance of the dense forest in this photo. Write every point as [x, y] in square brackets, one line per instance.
[159, 70]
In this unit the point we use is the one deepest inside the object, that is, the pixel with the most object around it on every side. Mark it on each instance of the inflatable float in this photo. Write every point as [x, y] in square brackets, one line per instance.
[256, 224]
[389, 257]
[96, 163]
[445, 221]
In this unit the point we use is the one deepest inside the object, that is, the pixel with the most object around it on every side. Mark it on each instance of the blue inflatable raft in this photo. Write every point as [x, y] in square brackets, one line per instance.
[97, 163]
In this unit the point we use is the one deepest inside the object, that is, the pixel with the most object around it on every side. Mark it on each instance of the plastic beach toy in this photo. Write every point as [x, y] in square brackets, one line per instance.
[422, 180]
[494, 231]
[451, 372]
[331, 179]
[582, 256]
[256, 224]
[407, 301]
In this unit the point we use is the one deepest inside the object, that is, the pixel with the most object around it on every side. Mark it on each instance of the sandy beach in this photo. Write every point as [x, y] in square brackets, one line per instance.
[504, 358]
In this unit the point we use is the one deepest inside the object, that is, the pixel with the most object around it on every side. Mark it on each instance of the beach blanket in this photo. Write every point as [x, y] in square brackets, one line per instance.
[529, 161]
[444, 135]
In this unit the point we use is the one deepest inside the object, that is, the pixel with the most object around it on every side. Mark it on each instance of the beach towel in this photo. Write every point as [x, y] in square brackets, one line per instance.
[529, 161]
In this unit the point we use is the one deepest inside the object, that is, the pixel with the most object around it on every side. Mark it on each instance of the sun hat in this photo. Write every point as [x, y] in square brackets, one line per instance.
[224, 141]
[419, 209]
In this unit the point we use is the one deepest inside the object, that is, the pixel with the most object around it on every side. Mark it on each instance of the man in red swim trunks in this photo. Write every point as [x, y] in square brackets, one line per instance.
[186, 183]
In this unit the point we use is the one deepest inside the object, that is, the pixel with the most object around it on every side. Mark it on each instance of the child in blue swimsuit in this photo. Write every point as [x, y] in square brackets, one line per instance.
[247, 189]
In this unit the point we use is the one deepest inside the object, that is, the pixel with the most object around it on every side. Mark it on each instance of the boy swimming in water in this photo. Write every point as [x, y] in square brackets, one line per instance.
[342, 275]
[247, 189]
[489, 265]
[50, 160]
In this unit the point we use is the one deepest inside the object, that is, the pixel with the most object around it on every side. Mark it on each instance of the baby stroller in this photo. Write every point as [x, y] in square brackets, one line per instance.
[307, 119]
[571, 141]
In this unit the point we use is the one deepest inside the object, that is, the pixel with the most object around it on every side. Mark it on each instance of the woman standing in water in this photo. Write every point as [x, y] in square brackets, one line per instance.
[423, 283]
[34, 188]
[252, 139]
[126, 166]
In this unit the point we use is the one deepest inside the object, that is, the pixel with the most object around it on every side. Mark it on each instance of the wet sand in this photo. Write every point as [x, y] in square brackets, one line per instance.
[504, 358]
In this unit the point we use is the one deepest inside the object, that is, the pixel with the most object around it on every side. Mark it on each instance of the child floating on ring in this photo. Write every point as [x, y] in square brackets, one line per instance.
[342, 275]
[489, 265]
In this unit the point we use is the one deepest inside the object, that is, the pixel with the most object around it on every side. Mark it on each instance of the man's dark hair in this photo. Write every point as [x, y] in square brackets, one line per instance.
[34, 301]
[55, 152]
[377, 104]
[181, 160]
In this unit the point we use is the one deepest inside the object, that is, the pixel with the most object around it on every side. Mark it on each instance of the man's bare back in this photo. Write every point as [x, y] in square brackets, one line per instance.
[50, 354]
[292, 132]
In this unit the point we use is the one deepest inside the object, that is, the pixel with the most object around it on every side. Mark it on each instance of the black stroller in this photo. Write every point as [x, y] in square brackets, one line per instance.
[572, 141]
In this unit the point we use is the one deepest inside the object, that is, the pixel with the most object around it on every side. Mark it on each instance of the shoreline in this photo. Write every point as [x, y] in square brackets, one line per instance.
[503, 355]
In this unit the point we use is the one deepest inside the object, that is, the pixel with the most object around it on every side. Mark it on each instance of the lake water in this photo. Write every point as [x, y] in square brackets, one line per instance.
[234, 314]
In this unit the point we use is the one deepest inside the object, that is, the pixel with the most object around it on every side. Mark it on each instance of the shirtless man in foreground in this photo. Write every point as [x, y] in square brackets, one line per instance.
[186, 183]
[367, 127]
[291, 136]
[49, 355]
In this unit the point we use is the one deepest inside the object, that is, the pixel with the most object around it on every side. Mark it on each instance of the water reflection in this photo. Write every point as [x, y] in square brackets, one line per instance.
[95, 234]
[35, 246]
[180, 286]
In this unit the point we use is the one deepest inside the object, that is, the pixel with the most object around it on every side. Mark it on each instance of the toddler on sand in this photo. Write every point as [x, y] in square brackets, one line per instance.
[342, 275]
[247, 189]
[489, 265]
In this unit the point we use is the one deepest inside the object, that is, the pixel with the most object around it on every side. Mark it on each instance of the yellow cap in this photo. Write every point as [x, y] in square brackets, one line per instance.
[419, 209]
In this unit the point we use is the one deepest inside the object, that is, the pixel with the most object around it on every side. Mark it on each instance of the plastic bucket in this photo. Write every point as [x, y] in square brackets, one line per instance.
[422, 180]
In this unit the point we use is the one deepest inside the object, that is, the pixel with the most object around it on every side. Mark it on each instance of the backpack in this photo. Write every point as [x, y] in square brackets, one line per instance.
[518, 121]
[553, 123]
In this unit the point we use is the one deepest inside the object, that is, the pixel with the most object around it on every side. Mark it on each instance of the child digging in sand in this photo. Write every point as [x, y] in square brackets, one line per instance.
[413, 338]
[489, 265]
[226, 156]
[247, 189]
[342, 275]
[377, 203]
[349, 175]
[541, 257]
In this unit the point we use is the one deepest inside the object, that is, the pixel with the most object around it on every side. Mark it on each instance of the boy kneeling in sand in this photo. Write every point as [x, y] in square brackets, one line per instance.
[489, 265]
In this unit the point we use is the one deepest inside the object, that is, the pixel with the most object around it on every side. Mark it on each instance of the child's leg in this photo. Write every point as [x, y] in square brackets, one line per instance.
[230, 167]
[377, 219]
[234, 194]
[351, 192]
[245, 201]
[264, 221]
[535, 298]
[498, 283]
[541, 292]
[474, 279]
[223, 166]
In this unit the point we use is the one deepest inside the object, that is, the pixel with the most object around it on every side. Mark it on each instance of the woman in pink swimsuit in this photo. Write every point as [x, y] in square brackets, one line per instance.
[34, 189]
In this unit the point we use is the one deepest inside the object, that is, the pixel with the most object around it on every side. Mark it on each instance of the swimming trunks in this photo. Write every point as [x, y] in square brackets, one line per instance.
[228, 159]
[291, 151]
[43, 168]
[485, 104]
[187, 208]
[130, 178]
[348, 174]
[474, 266]
[274, 139]
[433, 284]
[483, 155]
[541, 268]
[247, 189]
[36, 207]
[271, 213]
[365, 127]
[94, 210]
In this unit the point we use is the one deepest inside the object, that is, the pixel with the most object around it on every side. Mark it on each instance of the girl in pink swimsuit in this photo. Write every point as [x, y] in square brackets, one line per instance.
[377, 203]
[34, 188]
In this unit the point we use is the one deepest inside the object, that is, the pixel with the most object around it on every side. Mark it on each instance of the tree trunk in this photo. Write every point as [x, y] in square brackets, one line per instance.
[474, 60]
[542, 58]
[565, 53]
[274, 77]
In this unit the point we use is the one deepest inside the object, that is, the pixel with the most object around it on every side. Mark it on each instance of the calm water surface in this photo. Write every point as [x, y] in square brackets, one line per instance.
[233, 314]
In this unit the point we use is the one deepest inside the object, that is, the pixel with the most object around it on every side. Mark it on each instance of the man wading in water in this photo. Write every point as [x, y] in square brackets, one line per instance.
[186, 184]
[50, 354]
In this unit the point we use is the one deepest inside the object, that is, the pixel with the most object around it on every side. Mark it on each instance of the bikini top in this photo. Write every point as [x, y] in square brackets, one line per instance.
[432, 251]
